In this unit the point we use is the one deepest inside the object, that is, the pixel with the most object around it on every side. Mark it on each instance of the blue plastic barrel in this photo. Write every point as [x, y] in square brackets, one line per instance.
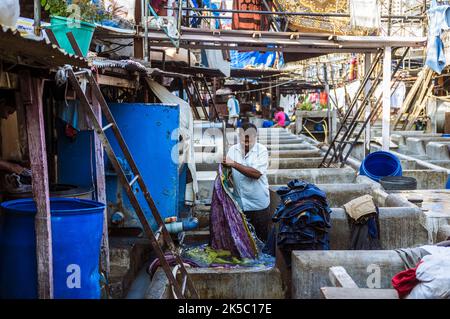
[76, 238]
[380, 164]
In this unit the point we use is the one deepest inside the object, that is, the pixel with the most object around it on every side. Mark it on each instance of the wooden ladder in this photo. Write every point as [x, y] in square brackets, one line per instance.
[179, 291]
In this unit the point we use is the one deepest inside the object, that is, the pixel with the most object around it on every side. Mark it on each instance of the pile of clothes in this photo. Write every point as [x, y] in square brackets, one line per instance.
[302, 219]
[428, 275]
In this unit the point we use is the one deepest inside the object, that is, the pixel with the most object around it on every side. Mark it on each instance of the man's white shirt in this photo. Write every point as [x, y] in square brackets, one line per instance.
[253, 193]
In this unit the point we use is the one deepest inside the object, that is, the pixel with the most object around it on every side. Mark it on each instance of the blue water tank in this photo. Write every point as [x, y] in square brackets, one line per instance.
[151, 132]
[76, 238]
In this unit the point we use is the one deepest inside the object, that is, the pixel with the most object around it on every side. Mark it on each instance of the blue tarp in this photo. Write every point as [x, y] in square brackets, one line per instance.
[240, 60]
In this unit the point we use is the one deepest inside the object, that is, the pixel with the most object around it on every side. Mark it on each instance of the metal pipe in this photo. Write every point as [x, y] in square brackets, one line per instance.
[283, 13]
[146, 57]
[180, 16]
[383, 18]
[37, 17]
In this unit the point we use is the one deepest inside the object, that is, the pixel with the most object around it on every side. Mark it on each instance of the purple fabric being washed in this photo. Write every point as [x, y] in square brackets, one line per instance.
[227, 226]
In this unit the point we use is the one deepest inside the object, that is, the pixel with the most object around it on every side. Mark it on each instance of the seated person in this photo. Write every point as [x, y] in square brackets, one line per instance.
[280, 117]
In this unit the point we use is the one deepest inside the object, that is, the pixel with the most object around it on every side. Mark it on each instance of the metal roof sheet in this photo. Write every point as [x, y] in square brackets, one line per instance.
[34, 52]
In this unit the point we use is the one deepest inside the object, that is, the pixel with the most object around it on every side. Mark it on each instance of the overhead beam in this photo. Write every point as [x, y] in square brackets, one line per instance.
[294, 49]
[115, 81]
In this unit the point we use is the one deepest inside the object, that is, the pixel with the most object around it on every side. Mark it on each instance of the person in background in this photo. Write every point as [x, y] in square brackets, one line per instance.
[265, 103]
[280, 117]
[249, 161]
[287, 120]
[233, 110]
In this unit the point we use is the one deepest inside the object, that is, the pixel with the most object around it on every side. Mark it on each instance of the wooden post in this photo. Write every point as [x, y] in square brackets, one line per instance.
[32, 90]
[101, 189]
[367, 64]
[386, 99]
[138, 43]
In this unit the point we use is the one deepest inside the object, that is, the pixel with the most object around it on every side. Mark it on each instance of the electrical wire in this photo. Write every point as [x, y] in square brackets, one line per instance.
[264, 88]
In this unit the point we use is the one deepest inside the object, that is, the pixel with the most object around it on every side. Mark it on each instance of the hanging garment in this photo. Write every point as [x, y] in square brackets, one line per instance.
[9, 12]
[323, 98]
[398, 96]
[438, 20]
[248, 21]
[363, 221]
[214, 59]
[302, 218]
[228, 225]
[365, 14]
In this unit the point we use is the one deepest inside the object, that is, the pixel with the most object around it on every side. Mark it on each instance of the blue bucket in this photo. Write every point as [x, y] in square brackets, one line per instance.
[380, 164]
[76, 238]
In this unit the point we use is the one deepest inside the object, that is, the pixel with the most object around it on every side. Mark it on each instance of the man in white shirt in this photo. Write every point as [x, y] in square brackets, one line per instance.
[233, 110]
[249, 161]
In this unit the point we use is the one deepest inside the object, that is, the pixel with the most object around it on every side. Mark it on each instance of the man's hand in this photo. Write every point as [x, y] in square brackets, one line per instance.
[12, 167]
[18, 169]
[228, 162]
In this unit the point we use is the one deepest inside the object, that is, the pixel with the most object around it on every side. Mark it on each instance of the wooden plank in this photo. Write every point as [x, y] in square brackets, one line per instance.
[101, 189]
[51, 36]
[358, 293]
[447, 123]
[340, 278]
[115, 81]
[74, 44]
[32, 90]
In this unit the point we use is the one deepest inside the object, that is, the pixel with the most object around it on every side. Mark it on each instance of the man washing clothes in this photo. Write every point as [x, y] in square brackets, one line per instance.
[249, 161]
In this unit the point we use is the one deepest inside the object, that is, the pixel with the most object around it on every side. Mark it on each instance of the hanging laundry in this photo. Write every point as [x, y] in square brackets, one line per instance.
[323, 99]
[398, 96]
[228, 225]
[353, 72]
[365, 14]
[362, 216]
[248, 21]
[438, 20]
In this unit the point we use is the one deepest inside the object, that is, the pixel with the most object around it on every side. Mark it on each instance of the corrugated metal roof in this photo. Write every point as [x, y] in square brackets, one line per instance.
[34, 52]
[128, 65]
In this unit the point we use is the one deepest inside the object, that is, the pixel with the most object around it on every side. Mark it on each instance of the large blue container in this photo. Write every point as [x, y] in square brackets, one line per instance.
[76, 238]
[380, 164]
[151, 134]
